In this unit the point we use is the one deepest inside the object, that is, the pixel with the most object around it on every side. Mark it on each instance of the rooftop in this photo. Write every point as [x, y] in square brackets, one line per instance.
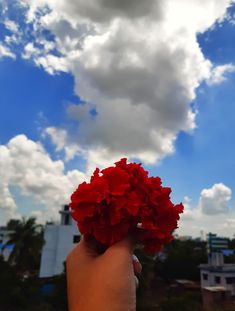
[215, 288]
[219, 269]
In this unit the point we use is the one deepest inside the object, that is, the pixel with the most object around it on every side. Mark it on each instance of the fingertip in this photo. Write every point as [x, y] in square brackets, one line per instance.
[136, 282]
[136, 265]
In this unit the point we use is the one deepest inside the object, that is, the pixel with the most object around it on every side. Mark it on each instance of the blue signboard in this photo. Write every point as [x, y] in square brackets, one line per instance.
[216, 244]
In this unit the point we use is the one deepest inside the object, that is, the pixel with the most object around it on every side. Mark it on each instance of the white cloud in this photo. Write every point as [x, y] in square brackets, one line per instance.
[211, 213]
[137, 62]
[11, 25]
[30, 50]
[25, 164]
[98, 11]
[47, 45]
[218, 74]
[94, 157]
[188, 214]
[6, 200]
[6, 52]
[57, 136]
[60, 139]
[13, 39]
[52, 63]
[42, 57]
[231, 18]
[40, 217]
[215, 200]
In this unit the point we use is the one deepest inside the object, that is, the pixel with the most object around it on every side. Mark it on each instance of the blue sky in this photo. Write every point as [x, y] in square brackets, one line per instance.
[207, 156]
[40, 99]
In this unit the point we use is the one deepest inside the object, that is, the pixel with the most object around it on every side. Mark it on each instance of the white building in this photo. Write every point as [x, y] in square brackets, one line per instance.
[216, 273]
[59, 241]
[5, 250]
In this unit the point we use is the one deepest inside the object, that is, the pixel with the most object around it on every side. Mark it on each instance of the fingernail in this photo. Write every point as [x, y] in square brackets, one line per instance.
[136, 282]
[135, 258]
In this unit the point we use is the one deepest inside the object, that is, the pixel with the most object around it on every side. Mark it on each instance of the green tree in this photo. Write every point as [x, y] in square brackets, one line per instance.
[27, 238]
[145, 278]
[183, 303]
[183, 260]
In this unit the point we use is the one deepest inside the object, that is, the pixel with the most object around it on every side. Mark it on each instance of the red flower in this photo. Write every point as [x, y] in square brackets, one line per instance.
[122, 200]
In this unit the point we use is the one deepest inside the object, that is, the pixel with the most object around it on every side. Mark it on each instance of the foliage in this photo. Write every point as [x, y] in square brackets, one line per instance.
[183, 260]
[15, 292]
[183, 303]
[21, 289]
[27, 238]
[145, 278]
[223, 308]
[58, 298]
[20, 294]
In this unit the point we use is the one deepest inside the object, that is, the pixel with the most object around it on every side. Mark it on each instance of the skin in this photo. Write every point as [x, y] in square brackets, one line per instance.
[102, 281]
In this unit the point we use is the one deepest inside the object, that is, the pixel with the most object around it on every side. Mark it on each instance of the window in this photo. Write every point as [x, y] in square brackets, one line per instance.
[230, 280]
[217, 279]
[66, 208]
[205, 276]
[76, 238]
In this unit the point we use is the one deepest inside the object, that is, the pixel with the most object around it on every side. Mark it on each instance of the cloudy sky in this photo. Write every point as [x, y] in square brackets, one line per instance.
[84, 83]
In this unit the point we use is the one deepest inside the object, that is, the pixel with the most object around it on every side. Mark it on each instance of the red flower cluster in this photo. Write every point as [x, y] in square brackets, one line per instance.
[125, 200]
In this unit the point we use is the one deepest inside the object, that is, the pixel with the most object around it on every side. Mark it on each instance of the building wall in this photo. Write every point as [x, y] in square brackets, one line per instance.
[58, 243]
[223, 275]
[7, 252]
[212, 299]
[48, 251]
[4, 238]
[64, 246]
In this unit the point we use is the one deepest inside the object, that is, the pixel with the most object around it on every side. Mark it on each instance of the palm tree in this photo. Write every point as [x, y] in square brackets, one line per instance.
[27, 238]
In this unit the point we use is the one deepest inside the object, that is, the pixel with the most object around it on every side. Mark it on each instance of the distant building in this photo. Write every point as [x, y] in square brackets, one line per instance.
[185, 238]
[59, 241]
[5, 250]
[217, 278]
[212, 296]
[223, 275]
[182, 286]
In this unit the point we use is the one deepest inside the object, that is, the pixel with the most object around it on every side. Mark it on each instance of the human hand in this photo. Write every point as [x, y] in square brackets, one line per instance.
[104, 281]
